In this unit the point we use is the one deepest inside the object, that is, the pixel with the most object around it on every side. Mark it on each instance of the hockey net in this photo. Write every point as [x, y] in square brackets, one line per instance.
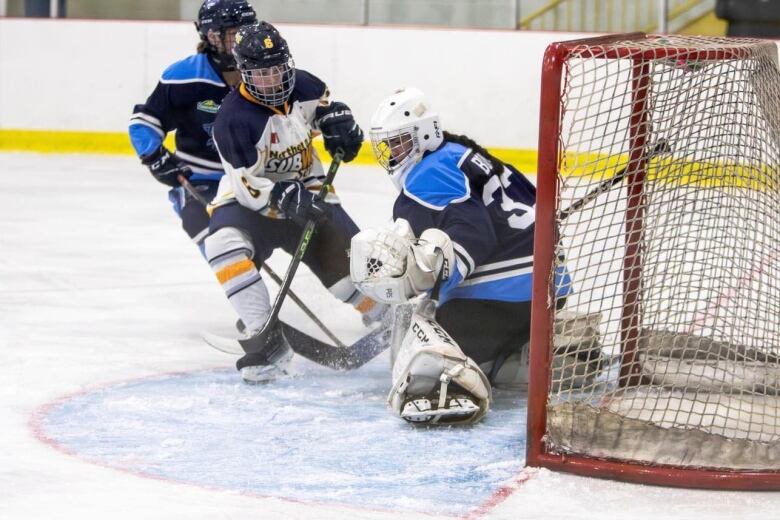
[674, 261]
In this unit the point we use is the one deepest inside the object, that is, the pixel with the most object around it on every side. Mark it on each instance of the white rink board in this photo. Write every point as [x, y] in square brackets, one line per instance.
[87, 75]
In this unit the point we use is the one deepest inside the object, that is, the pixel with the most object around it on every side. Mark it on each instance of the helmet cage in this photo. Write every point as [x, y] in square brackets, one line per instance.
[395, 149]
[271, 85]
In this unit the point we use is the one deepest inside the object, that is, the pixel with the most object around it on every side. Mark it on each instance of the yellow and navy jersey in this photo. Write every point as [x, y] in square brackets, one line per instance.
[487, 214]
[260, 145]
[186, 99]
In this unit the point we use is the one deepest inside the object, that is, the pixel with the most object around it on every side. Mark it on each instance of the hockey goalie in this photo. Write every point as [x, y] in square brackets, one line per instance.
[462, 244]
[433, 380]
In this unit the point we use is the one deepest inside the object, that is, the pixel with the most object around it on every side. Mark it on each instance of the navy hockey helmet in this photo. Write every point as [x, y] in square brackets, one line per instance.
[215, 17]
[266, 65]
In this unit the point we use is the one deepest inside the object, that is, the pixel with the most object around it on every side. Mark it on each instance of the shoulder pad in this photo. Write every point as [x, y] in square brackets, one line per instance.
[308, 87]
[437, 180]
[244, 110]
[238, 127]
[193, 69]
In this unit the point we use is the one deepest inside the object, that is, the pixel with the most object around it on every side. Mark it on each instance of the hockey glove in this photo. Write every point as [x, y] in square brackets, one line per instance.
[165, 167]
[339, 130]
[388, 265]
[298, 203]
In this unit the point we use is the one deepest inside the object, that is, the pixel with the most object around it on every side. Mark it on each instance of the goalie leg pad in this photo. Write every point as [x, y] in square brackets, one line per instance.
[513, 372]
[433, 381]
[577, 361]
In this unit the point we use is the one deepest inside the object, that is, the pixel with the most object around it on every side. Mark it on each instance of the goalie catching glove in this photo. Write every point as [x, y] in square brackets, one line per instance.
[389, 265]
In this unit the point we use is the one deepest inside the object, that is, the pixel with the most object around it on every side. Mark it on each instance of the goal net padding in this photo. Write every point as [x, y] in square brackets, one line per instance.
[679, 258]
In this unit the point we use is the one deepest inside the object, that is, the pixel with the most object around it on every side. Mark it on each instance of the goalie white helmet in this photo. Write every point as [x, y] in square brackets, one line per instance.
[404, 127]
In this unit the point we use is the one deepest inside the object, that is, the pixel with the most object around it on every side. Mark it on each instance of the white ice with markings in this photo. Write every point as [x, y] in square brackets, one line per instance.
[112, 407]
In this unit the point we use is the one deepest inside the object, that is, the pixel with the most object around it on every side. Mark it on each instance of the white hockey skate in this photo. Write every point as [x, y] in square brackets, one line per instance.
[268, 365]
[261, 374]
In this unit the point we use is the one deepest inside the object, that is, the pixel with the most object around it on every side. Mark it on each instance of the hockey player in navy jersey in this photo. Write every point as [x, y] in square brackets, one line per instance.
[264, 132]
[186, 99]
[467, 216]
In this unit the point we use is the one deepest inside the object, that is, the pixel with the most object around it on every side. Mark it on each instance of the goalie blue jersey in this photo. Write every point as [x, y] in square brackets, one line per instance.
[186, 99]
[487, 214]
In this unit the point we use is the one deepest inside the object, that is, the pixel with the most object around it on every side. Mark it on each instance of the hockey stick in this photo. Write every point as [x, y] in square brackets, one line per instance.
[275, 277]
[348, 357]
[661, 147]
[278, 280]
[185, 183]
[257, 342]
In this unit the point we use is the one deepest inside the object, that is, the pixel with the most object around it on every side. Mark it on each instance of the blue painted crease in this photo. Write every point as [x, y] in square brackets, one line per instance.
[325, 437]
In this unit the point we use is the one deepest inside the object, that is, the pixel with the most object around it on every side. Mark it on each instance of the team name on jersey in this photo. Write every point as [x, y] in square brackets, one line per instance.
[297, 158]
[291, 150]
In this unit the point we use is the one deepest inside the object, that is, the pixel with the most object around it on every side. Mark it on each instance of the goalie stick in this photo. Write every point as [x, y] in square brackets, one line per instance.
[343, 357]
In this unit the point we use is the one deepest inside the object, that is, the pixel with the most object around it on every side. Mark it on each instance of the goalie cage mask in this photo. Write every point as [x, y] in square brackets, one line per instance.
[403, 128]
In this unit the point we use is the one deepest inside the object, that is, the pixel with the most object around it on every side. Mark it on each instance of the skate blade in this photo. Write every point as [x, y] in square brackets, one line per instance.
[262, 375]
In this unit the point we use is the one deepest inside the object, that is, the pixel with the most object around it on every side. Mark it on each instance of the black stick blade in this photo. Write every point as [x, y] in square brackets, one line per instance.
[339, 358]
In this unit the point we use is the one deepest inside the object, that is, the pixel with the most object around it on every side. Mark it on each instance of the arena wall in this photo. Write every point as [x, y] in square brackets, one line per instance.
[70, 85]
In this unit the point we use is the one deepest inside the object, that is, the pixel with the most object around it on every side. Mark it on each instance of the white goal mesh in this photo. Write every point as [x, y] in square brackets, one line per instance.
[677, 259]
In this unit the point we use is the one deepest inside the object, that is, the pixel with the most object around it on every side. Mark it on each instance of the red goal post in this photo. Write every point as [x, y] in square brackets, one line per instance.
[674, 262]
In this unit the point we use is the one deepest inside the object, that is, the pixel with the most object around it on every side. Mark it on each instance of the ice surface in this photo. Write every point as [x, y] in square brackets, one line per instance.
[317, 436]
[112, 407]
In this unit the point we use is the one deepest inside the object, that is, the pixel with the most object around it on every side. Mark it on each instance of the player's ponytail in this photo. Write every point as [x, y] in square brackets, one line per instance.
[466, 141]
